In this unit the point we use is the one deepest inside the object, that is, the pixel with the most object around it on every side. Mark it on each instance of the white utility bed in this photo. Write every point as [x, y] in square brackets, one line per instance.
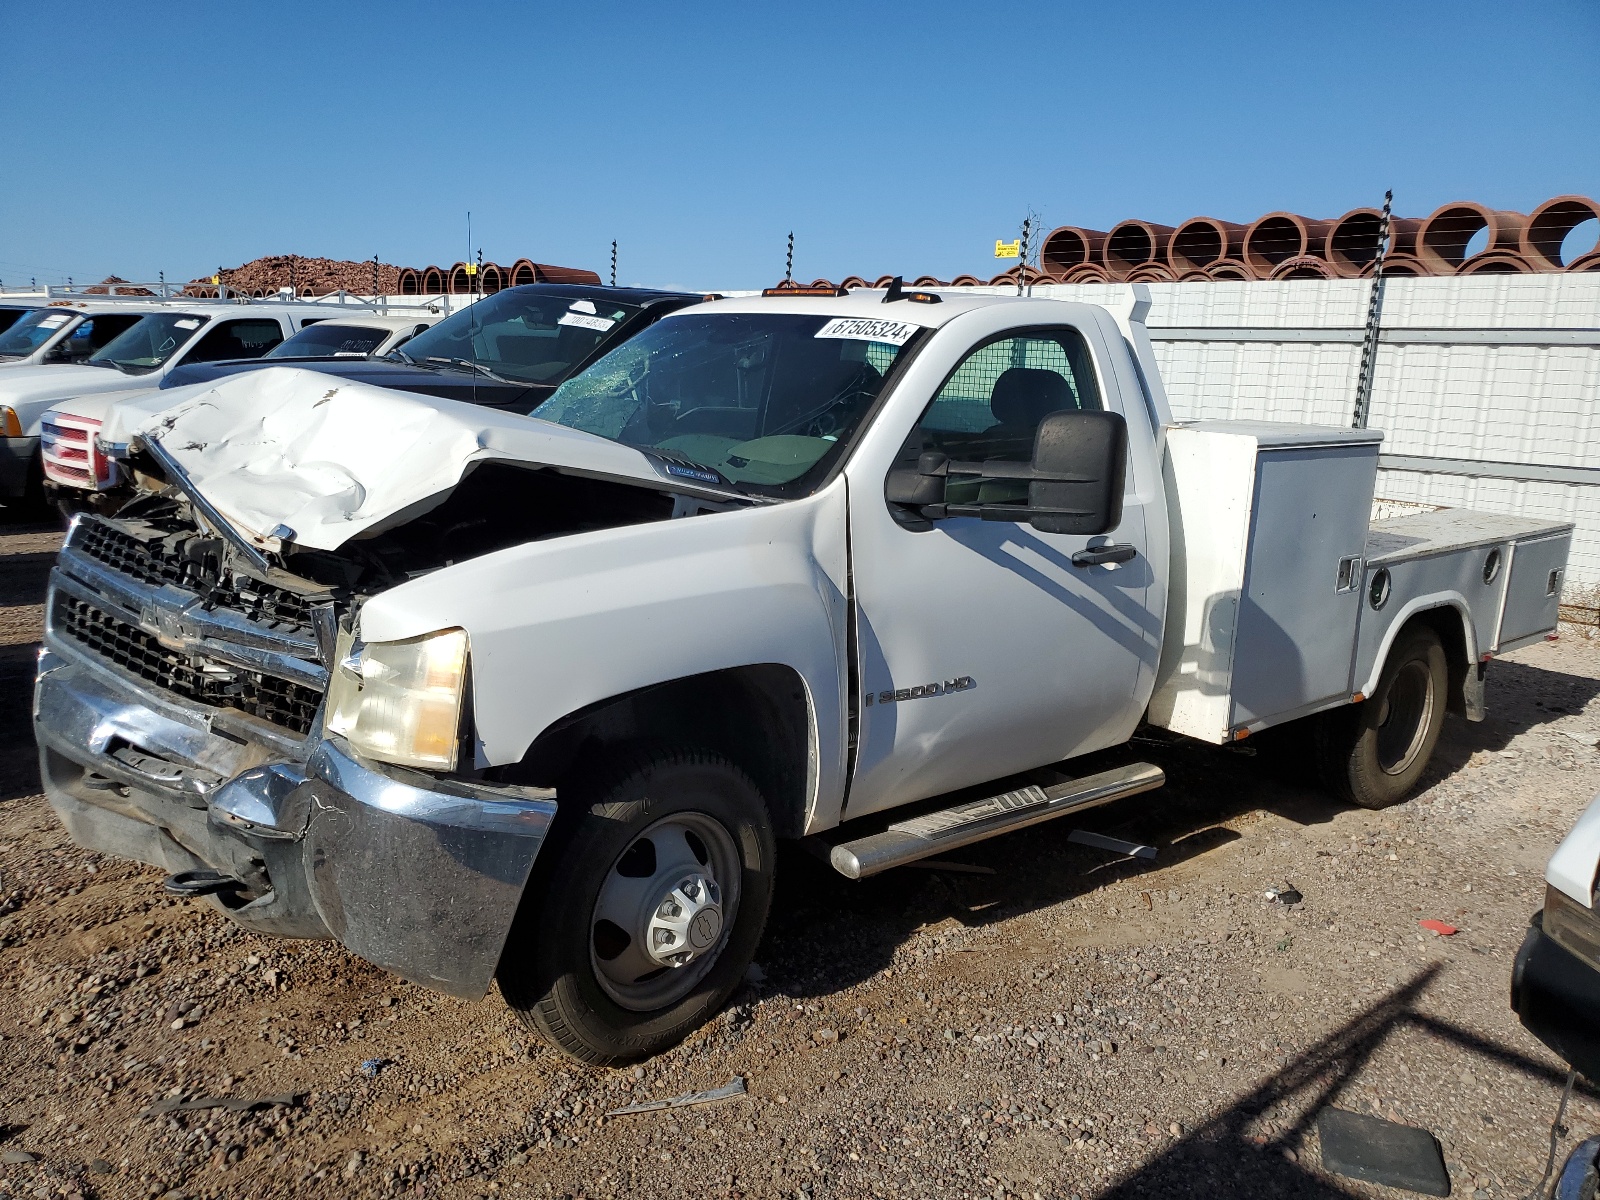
[1286, 594]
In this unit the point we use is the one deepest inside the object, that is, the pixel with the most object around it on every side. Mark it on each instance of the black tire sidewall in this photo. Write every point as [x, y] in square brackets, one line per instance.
[547, 971]
[1370, 785]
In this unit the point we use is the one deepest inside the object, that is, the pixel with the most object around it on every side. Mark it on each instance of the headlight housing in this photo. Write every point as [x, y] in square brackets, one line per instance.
[1572, 926]
[400, 702]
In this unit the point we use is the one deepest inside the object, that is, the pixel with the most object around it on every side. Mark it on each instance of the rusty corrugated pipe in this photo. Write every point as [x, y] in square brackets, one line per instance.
[1133, 243]
[1306, 266]
[1150, 272]
[1201, 241]
[927, 281]
[1086, 273]
[1548, 226]
[492, 276]
[1399, 264]
[410, 281]
[432, 281]
[460, 283]
[1587, 262]
[1352, 243]
[1442, 241]
[854, 281]
[1069, 246]
[1230, 270]
[522, 271]
[1496, 262]
[1280, 236]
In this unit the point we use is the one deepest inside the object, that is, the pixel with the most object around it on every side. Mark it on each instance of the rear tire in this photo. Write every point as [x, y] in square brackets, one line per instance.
[1373, 753]
[668, 857]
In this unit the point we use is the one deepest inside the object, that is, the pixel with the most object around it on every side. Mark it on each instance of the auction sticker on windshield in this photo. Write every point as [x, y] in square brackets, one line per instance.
[54, 321]
[186, 323]
[868, 329]
[583, 321]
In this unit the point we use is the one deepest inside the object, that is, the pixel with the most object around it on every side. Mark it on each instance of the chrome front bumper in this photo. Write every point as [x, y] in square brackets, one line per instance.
[419, 875]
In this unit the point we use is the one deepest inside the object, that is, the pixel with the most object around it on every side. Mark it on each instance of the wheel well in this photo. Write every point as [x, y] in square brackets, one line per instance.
[756, 716]
[1447, 623]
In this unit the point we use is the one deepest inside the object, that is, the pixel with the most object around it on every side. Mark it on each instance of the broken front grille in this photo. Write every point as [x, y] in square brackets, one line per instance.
[159, 561]
[284, 703]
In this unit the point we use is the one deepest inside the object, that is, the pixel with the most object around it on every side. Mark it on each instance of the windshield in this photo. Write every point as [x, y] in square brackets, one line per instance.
[33, 331]
[327, 340]
[527, 337]
[766, 400]
[148, 344]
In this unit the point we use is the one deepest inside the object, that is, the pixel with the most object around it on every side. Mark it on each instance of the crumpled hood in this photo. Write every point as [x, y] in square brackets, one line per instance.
[332, 459]
[32, 391]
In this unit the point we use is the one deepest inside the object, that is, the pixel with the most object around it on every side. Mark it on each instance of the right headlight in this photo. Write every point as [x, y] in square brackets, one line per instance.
[400, 702]
[1572, 926]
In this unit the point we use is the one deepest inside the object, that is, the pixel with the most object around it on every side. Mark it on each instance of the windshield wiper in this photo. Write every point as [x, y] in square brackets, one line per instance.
[469, 365]
[106, 362]
[402, 356]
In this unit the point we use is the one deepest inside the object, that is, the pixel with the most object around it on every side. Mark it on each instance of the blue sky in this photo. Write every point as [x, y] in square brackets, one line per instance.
[889, 137]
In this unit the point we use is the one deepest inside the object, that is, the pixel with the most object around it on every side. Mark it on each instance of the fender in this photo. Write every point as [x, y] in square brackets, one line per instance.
[1447, 599]
[559, 625]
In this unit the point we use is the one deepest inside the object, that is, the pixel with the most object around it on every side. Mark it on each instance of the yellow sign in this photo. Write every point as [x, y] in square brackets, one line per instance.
[1008, 249]
[472, 268]
[216, 279]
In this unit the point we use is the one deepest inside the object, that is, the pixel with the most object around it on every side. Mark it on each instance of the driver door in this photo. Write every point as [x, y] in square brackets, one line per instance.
[983, 648]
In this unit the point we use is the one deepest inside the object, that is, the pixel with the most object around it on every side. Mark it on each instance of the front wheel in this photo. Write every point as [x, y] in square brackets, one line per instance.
[1373, 753]
[650, 912]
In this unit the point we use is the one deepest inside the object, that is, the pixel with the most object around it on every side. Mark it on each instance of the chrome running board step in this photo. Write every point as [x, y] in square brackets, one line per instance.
[974, 820]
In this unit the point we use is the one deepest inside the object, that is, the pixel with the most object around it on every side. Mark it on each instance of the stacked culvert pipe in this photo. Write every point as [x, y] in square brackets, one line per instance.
[1461, 238]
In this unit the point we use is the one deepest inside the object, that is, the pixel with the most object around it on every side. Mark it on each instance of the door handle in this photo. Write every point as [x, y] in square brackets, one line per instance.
[1096, 556]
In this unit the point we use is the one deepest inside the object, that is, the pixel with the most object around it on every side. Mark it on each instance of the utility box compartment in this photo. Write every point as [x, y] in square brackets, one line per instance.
[1268, 528]
[1533, 593]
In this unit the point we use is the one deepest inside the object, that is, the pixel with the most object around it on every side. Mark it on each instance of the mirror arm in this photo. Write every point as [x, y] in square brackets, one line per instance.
[995, 512]
[938, 466]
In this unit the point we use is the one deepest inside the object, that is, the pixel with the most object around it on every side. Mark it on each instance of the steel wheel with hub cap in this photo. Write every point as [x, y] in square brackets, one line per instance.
[649, 908]
[1373, 753]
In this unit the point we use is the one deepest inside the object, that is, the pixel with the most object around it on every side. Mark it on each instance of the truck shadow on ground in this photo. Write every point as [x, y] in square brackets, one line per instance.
[827, 933]
[1222, 1157]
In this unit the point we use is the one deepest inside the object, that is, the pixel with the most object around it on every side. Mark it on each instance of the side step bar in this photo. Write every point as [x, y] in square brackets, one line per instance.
[975, 820]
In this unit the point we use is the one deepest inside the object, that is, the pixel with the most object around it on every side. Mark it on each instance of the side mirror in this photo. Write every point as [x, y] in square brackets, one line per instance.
[918, 485]
[1080, 461]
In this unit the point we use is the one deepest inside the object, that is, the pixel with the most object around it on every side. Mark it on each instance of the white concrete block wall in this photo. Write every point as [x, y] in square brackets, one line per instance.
[1468, 399]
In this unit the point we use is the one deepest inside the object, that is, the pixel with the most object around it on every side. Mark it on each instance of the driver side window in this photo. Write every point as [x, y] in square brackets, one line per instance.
[992, 404]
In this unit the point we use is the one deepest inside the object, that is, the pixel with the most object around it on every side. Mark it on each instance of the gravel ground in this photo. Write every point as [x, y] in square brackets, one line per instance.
[1049, 1022]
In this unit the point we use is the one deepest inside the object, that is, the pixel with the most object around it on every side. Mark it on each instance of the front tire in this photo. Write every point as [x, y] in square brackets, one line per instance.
[652, 907]
[1374, 753]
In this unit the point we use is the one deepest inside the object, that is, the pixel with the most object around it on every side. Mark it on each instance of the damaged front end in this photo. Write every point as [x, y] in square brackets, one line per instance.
[202, 659]
[178, 711]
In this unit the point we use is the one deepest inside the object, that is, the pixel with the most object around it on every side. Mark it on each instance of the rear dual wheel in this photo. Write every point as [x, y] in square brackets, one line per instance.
[650, 910]
[1374, 753]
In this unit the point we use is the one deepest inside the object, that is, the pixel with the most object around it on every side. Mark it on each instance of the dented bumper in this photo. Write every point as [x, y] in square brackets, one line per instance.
[419, 875]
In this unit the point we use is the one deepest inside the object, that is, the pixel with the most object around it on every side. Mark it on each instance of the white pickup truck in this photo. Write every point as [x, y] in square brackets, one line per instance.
[76, 467]
[485, 696]
[163, 335]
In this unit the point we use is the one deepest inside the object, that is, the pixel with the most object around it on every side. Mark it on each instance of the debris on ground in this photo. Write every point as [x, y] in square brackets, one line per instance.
[1439, 927]
[1286, 894]
[371, 1066]
[174, 1104]
[1377, 1151]
[734, 1087]
[1116, 845]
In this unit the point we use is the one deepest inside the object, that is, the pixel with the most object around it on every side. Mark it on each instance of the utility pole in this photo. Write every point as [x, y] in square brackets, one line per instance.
[1369, 343]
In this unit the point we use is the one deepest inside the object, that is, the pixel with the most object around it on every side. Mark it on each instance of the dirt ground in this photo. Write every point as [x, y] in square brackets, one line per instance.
[1051, 1021]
